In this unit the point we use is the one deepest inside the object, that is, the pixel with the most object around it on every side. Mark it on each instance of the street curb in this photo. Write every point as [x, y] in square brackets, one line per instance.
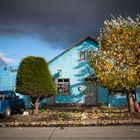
[82, 124]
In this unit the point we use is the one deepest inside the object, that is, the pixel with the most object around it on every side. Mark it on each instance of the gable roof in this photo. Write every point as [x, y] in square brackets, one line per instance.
[2, 62]
[77, 43]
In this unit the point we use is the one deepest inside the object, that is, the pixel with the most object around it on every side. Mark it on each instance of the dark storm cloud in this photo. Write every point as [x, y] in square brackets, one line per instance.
[60, 22]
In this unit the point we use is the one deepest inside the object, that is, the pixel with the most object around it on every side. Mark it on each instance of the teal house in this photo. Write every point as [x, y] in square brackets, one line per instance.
[8, 81]
[76, 81]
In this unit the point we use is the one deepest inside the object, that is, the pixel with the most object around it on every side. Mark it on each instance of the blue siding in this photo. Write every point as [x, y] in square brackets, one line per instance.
[138, 94]
[7, 79]
[102, 95]
[70, 66]
[8, 82]
[117, 101]
[76, 70]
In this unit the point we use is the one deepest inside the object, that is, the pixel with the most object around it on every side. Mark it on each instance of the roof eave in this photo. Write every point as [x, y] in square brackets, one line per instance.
[76, 44]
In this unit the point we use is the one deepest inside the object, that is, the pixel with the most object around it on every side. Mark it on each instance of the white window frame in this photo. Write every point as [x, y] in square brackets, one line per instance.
[63, 86]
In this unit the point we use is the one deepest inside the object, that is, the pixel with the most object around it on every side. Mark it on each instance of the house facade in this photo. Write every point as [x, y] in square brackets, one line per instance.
[76, 81]
[8, 82]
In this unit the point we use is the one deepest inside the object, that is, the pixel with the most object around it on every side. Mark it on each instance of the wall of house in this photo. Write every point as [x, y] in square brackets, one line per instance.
[7, 79]
[117, 101]
[102, 95]
[8, 83]
[71, 66]
[138, 94]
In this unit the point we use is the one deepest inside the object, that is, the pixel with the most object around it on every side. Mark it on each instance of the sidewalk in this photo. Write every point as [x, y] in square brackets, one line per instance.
[71, 133]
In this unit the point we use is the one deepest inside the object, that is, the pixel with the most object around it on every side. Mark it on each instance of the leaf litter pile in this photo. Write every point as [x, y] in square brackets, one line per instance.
[94, 116]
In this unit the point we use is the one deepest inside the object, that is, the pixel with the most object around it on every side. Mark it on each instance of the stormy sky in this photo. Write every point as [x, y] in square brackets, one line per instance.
[60, 22]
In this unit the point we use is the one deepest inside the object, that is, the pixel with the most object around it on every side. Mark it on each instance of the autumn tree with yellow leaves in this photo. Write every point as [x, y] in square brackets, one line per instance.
[117, 62]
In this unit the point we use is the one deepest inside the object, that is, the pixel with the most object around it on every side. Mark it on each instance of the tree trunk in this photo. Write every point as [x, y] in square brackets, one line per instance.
[35, 103]
[130, 101]
[36, 107]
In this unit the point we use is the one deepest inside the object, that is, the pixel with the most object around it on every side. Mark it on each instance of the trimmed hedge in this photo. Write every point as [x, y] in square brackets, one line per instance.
[34, 78]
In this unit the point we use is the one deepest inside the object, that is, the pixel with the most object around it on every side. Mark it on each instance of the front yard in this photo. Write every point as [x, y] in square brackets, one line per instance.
[94, 116]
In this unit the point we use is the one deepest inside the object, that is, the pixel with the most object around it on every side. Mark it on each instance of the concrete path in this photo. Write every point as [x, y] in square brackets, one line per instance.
[71, 133]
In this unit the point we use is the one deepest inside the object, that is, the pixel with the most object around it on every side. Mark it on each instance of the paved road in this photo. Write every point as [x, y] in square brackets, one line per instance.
[71, 133]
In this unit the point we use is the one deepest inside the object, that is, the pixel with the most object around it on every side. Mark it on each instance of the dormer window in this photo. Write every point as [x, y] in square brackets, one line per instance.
[85, 54]
[82, 55]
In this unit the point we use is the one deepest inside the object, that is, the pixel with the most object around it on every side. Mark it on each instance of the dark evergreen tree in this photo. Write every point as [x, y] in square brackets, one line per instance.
[34, 78]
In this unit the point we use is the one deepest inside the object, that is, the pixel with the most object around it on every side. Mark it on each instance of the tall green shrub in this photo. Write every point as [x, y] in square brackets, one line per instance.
[34, 78]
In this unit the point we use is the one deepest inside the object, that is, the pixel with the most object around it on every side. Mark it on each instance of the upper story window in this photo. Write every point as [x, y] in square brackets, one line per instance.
[63, 86]
[84, 54]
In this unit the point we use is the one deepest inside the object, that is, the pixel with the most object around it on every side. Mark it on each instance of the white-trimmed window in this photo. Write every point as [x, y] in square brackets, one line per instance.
[84, 54]
[63, 86]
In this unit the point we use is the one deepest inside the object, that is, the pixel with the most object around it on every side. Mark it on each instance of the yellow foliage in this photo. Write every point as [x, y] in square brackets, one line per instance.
[117, 64]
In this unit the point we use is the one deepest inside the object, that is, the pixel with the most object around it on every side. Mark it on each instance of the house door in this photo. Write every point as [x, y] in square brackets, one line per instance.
[90, 91]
